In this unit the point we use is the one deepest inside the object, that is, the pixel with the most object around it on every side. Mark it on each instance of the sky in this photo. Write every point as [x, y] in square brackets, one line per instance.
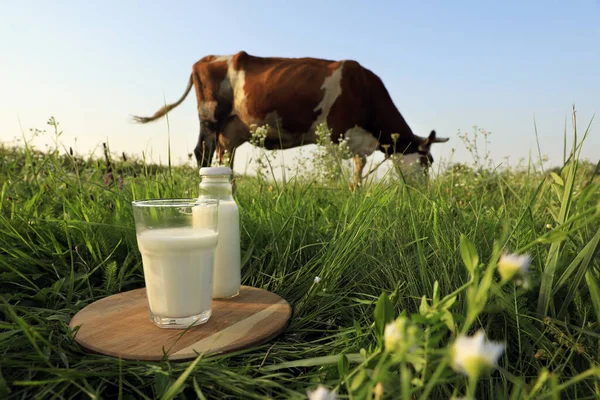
[448, 65]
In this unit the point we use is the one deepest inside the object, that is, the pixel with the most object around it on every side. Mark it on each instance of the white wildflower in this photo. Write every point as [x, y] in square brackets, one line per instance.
[400, 336]
[392, 335]
[515, 266]
[258, 135]
[321, 393]
[473, 355]
[317, 279]
[548, 226]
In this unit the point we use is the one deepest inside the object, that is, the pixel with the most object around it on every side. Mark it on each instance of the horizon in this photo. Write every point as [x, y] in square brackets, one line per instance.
[447, 67]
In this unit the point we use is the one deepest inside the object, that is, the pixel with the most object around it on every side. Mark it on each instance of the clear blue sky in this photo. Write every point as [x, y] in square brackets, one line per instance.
[449, 65]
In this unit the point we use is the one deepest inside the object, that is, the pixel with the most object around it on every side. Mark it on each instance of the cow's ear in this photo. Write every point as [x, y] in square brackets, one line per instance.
[433, 139]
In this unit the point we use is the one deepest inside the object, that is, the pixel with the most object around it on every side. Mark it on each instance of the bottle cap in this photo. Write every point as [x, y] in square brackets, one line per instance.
[208, 171]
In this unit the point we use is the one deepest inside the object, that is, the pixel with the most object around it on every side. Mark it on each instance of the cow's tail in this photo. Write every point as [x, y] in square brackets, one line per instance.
[160, 113]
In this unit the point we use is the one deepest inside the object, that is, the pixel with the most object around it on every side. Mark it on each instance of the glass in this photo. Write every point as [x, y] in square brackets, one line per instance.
[177, 239]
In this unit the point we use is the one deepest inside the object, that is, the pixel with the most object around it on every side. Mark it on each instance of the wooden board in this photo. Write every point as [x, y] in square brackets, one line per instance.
[119, 326]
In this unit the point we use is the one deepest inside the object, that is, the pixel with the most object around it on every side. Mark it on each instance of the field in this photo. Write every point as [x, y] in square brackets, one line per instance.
[424, 250]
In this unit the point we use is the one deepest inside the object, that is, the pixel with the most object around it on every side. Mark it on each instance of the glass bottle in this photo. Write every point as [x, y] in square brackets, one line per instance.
[216, 182]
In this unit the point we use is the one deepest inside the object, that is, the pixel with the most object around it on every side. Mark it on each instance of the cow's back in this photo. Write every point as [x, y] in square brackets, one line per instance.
[287, 89]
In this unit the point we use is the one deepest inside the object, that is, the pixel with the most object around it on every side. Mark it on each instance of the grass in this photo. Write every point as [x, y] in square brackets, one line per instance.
[68, 239]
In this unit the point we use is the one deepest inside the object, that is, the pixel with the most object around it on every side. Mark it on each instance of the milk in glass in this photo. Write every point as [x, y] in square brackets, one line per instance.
[178, 270]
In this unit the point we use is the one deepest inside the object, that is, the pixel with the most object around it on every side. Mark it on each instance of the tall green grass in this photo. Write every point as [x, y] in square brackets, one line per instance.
[68, 239]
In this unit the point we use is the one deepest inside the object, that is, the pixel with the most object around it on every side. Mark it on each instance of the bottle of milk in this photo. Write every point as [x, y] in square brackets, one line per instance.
[215, 182]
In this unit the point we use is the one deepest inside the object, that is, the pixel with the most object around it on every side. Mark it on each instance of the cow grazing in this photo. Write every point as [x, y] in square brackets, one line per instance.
[292, 96]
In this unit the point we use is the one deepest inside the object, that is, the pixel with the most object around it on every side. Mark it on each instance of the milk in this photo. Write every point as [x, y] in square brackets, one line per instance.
[178, 270]
[227, 272]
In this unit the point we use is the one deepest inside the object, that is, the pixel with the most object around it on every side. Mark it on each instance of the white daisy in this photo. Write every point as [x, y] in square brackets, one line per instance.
[475, 354]
[321, 393]
[392, 335]
[514, 266]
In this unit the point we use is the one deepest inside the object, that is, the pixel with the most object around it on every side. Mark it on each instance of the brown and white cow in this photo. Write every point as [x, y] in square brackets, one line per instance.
[293, 96]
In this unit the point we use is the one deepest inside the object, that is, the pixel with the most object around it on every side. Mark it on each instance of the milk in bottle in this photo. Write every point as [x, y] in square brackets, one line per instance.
[215, 182]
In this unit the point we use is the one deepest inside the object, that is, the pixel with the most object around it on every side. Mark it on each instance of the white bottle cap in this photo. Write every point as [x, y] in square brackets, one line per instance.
[207, 171]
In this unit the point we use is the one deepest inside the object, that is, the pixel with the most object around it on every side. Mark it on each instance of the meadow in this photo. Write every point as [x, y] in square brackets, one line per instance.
[421, 252]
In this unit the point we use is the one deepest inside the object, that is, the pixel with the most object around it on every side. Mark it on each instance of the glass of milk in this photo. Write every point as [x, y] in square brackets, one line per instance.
[177, 239]
[216, 183]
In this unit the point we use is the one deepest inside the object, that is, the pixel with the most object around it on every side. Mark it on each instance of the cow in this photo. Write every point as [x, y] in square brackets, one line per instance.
[292, 97]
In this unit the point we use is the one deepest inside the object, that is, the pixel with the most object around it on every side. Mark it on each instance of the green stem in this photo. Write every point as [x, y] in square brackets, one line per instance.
[433, 379]
[456, 292]
[472, 387]
[405, 379]
[358, 368]
[379, 364]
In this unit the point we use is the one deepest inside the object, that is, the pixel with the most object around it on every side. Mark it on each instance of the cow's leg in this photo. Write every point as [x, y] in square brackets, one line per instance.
[359, 164]
[207, 144]
[231, 157]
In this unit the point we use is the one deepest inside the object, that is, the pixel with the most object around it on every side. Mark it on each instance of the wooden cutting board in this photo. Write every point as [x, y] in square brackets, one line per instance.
[119, 326]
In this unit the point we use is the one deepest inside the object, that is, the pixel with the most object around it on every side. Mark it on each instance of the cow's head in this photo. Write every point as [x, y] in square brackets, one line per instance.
[417, 151]
[424, 148]
[207, 144]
